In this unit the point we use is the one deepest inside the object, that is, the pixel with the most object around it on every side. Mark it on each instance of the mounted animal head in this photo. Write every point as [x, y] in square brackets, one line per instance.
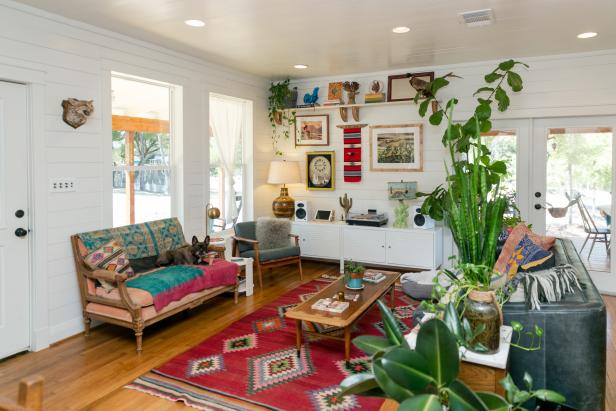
[76, 112]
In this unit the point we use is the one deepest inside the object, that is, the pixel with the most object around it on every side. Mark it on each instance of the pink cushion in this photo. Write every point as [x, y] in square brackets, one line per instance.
[517, 234]
[140, 297]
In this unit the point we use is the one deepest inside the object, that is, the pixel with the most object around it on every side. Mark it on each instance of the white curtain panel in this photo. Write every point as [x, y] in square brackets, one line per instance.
[227, 121]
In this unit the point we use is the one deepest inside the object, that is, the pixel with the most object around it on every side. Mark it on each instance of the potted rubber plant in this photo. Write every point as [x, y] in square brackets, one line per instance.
[426, 378]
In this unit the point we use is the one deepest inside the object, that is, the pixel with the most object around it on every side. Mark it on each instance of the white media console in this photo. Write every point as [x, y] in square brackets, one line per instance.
[386, 246]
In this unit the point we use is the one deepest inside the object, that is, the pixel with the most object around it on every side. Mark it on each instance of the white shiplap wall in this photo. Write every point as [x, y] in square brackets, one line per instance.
[563, 85]
[61, 58]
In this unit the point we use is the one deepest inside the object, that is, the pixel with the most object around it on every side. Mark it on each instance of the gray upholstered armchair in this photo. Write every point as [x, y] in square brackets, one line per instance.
[270, 251]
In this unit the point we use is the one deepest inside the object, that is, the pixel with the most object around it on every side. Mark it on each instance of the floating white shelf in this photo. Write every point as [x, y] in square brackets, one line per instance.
[336, 107]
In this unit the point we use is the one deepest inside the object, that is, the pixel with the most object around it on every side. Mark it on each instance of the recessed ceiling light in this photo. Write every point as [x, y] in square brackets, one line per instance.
[300, 66]
[587, 35]
[195, 23]
[401, 29]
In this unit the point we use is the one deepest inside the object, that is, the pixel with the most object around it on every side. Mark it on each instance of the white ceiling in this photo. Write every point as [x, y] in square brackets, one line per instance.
[266, 37]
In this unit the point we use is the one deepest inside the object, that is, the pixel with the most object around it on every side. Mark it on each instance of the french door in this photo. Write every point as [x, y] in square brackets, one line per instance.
[571, 184]
[14, 217]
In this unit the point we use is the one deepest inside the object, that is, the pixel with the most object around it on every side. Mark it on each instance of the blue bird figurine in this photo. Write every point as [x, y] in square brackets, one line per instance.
[312, 98]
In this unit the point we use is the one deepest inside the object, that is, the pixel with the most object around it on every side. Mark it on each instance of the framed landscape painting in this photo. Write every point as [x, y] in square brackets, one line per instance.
[396, 147]
[320, 170]
[312, 130]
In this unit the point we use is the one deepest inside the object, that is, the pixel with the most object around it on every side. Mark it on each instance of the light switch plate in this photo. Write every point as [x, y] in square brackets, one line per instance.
[62, 185]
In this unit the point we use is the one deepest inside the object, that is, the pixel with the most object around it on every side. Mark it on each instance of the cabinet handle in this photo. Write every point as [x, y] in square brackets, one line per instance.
[382, 246]
[389, 247]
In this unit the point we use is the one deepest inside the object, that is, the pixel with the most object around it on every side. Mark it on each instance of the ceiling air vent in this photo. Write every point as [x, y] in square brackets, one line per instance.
[477, 18]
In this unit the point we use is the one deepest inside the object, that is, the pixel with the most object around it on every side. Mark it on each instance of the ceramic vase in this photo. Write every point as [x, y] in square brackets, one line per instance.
[354, 280]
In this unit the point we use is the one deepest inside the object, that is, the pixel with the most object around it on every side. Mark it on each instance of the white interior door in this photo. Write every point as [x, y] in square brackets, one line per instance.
[574, 157]
[14, 218]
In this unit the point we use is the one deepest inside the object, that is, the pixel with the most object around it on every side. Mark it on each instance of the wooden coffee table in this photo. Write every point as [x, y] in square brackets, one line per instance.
[345, 320]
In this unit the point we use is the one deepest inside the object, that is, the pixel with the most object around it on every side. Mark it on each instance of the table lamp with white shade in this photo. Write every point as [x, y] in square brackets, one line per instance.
[283, 172]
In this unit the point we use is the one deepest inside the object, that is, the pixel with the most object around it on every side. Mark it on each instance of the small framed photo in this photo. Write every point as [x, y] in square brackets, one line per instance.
[312, 130]
[402, 190]
[334, 91]
[396, 147]
[320, 170]
[399, 85]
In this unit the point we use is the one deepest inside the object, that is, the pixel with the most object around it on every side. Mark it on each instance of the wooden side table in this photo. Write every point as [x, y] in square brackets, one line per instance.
[247, 284]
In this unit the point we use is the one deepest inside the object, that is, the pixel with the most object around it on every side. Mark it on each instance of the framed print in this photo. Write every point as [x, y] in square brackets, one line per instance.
[334, 91]
[312, 130]
[320, 170]
[396, 147]
[402, 190]
[399, 85]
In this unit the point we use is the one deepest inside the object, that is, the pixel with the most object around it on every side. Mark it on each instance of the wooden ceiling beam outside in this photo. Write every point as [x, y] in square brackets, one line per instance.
[144, 125]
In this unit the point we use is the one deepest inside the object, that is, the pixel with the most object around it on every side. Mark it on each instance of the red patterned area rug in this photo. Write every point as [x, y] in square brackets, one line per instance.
[253, 365]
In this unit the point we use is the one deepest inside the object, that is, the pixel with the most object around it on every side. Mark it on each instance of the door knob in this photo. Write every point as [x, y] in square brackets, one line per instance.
[537, 206]
[20, 232]
[19, 213]
[537, 194]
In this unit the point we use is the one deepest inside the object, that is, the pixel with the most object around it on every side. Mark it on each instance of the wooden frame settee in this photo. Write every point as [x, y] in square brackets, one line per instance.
[125, 306]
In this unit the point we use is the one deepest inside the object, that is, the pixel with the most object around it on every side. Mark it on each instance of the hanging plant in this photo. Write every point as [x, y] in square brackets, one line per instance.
[280, 118]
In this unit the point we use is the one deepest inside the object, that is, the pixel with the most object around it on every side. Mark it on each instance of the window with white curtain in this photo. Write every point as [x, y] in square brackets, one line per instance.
[229, 139]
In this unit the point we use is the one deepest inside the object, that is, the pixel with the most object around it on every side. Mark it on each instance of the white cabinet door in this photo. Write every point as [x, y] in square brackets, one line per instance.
[411, 248]
[318, 240]
[364, 245]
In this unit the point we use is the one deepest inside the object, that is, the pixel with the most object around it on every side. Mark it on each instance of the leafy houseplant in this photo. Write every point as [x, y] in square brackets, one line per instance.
[426, 379]
[353, 274]
[280, 118]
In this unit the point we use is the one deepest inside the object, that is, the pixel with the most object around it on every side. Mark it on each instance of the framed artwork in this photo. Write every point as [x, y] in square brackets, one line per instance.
[312, 130]
[396, 147]
[334, 91]
[399, 85]
[320, 170]
[402, 190]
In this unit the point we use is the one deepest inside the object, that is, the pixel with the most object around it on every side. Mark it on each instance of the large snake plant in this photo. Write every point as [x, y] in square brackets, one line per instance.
[470, 202]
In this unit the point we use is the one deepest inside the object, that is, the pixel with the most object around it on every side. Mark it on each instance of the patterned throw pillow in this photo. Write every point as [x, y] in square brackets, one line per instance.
[110, 257]
[526, 255]
[514, 239]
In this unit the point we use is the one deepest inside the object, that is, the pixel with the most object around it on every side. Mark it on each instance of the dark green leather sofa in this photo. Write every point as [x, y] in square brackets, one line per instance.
[572, 360]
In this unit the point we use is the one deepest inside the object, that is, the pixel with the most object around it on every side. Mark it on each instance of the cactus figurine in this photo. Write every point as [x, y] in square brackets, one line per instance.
[346, 203]
[401, 214]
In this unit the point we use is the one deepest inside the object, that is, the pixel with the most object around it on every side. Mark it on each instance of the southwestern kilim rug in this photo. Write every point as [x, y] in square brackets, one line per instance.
[252, 365]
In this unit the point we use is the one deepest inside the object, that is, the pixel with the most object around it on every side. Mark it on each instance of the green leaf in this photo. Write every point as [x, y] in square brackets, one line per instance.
[515, 81]
[499, 167]
[462, 398]
[483, 89]
[493, 401]
[390, 324]
[538, 331]
[358, 384]
[451, 317]
[528, 381]
[492, 77]
[438, 346]
[485, 126]
[549, 395]
[390, 388]
[436, 118]
[483, 111]
[452, 102]
[423, 402]
[506, 65]
[407, 368]
[517, 326]
[510, 388]
[423, 107]
[371, 344]
[502, 98]
[437, 84]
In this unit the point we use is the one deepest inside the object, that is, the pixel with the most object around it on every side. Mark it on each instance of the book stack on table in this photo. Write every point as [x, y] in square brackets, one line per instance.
[330, 305]
[374, 277]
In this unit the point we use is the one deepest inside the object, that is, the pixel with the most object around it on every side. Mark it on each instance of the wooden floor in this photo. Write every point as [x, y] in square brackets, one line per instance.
[89, 373]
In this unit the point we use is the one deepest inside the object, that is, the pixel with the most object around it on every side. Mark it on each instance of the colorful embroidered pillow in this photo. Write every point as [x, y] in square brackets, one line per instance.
[513, 240]
[110, 257]
[526, 255]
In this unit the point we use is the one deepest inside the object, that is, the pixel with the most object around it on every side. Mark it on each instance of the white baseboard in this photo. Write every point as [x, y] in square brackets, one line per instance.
[65, 330]
[40, 339]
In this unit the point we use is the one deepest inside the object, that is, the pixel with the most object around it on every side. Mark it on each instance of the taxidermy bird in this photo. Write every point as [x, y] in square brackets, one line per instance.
[420, 85]
[312, 98]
